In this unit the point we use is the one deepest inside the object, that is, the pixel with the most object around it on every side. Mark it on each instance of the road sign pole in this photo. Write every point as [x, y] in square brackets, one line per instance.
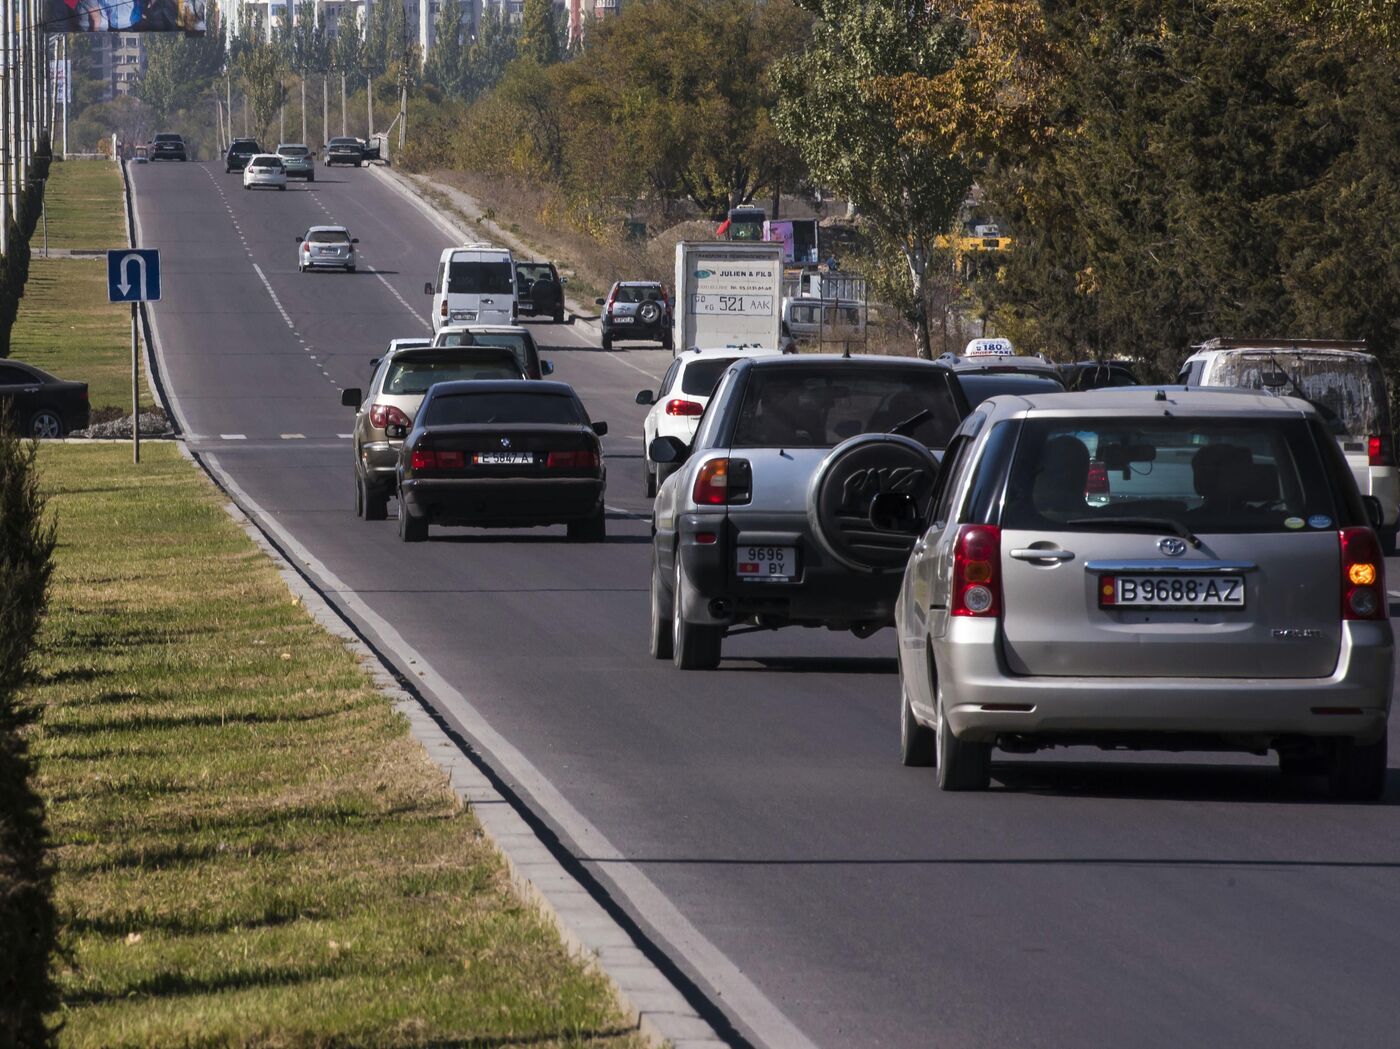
[135, 386]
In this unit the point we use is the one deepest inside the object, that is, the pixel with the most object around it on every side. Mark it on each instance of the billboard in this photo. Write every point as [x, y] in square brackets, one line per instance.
[125, 16]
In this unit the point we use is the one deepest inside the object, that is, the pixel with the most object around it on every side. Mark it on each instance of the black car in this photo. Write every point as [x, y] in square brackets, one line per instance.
[344, 151]
[240, 151]
[1094, 375]
[500, 454]
[982, 386]
[40, 405]
[167, 146]
[637, 309]
[539, 290]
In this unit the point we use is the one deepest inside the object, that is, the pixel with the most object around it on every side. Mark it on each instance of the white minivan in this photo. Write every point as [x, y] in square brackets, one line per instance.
[1340, 379]
[475, 285]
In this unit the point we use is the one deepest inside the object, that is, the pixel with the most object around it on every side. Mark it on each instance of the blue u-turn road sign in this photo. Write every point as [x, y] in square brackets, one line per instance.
[133, 275]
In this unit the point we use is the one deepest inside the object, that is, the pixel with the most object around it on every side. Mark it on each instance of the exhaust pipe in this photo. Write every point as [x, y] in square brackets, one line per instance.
[864, 630]
[721, 608]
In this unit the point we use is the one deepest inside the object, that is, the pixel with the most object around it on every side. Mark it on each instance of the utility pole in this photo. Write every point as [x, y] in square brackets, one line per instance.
[5, 128]
[343, 132]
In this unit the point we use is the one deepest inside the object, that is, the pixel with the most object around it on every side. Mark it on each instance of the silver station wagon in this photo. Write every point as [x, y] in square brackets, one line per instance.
[1147, 569]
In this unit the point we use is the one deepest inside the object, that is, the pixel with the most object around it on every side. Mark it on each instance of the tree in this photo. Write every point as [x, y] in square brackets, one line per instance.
[303, 44]
[539, 36]
[907, 191]
[444, 66]
[261, 75]
[163, 86]
[490, 53]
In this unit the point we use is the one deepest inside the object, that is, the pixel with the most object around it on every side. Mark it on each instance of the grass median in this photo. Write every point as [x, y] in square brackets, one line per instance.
[250, 847]
[83, 201]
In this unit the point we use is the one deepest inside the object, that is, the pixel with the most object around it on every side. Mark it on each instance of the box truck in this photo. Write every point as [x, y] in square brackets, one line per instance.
[728, 293]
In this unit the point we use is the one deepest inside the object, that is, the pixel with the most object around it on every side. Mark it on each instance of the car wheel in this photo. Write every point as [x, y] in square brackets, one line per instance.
[662, 614]
[411, 529]
[45, 424]
[357, 163]
[282, 187]
[649, 478]
[376, 502]
[1356, 771]
[962, 765]
[359, 496]
[918, 744]
[648, 313]
[1295, 764]
[592, 529]
[1388, 538]
[559, 316]
[311, 177]
[607, 342]
[695, 646]
[667, 343]
[349, 269]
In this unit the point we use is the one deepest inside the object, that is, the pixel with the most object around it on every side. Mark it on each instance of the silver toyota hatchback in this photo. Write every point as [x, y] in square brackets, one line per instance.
[1146, 569]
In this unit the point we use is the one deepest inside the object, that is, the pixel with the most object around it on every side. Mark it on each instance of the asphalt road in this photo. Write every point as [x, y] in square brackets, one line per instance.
[755, 820]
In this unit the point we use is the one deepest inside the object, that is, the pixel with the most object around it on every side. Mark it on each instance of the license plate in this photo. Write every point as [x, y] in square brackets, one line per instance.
[503, 458]
[463, 315]
[622, 320]
[766, 562]
[1172, 591]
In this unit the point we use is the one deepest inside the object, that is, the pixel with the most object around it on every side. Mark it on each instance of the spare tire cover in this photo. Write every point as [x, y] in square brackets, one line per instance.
[544, 293]
[847, 482]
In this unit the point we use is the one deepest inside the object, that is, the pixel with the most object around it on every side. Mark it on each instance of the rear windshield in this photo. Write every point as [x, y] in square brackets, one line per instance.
[647, 293]
[466, 277]
[411, 375]
[329, 236]
[294, 151]
[1348, 392]
[978, 388]
[534, 272]
[345, 142]
[244, 147]
[502, 408]
[167, 138]
[266, 162]
[517, 342]
[1210, 475]
[701, 377]
[1089, 377]
[819, 408]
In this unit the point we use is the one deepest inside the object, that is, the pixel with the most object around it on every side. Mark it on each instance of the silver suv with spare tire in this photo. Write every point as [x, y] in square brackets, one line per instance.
[776, 514]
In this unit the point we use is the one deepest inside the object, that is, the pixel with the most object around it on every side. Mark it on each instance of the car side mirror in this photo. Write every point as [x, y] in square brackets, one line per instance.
[427, 288]
[300, 239]
[600, 302]
[546, 367]
[1373, 510]
[354, 240]
[563, 280]
[896, 512]
[351, 398]
[667, 450]
[374, 362]
[601, 429]
[396, 431]
[646, 397]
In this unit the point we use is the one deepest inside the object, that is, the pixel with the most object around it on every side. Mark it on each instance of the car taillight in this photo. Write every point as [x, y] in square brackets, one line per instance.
[723, 482]
[423, 460]
[1363, 575]
[382, 415]
[428, 459]
[665, 297]
[1380, 449]
[680, 406]
[1097, 481]
[581, 460]
[977, 572]
[444, 306]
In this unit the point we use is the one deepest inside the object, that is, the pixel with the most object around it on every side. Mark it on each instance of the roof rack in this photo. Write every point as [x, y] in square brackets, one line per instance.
[1282, 344]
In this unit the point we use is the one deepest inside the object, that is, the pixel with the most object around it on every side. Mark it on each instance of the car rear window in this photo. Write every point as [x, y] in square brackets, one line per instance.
[267, 162]
[413, 375]
[517, 342]
[247, 146]
[1237, 474]
[797, 407]
[329, 236]
[167, 138]
[472, 277]
[700, 377]
[633, 293]
[294, 151]
[979, 387]
[521, 407]
[1348, 391]
[534, 272]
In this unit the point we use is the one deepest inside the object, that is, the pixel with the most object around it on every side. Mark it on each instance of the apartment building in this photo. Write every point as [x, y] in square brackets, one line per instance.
[119, 60]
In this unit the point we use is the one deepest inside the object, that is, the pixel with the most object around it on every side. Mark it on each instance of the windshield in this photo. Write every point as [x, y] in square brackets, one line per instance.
[413, 375]
[471, 277]
[293, 151]
[534, 271]
[1347, 390]
[797, 407]
[1210, 475]
[328, 236]
[978, 388]
[700, 377]
[459, 408]
[647, 293]
[244, 147]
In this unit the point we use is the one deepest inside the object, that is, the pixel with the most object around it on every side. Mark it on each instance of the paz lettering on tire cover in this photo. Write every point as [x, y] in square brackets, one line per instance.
[845, 486]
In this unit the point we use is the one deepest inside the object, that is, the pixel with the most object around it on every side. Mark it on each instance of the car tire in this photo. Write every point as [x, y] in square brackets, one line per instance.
[662, 614]
[593, 529]
[559, 316]
[357, 163]
[918, 744]
[649, 481]
[962, 765]
[376, 504]
[45, 425]
[1357, 771]
[311, 177]
[349, 269]
[1388, 538]
[694, 646]
[283, 188]
[648, 313]
[359, 496]
[1296, 764]
[607, 342]
[411, 529]
[667, 343]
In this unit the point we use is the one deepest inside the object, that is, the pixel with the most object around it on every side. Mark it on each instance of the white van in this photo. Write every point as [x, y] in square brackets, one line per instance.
[475, 285]
[1343, 381]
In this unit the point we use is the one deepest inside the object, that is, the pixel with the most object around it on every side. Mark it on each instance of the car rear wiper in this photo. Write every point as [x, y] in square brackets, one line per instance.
[912, 423]
[1156, 524]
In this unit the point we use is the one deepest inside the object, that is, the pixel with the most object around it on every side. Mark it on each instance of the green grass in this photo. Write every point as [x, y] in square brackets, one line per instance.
[250, 848]
[67, 327]
[84, 205]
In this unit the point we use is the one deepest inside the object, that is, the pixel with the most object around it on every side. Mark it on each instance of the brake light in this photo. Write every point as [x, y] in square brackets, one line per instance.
[443, 311]
[977, 572]
[680, 406]
[1363, 575]
[423, 460]
[1380, 450]
[1097, 481]
[384, 415]
[427, 459]
[723, 482]
[582, 460]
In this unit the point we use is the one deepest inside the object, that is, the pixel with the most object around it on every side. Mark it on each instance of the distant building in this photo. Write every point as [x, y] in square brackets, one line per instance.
[579, 10]
[120, 59]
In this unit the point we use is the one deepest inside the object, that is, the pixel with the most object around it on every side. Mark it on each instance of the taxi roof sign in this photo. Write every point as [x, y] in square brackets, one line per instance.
[989, 348]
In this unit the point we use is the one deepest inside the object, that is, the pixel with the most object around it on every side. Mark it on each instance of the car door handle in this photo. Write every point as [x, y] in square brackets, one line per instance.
[1042, 555]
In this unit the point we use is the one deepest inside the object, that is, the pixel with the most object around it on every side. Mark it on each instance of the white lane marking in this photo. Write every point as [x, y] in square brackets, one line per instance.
[734, 990]
[275, 300]
[233, 436]
[292, 436]
[345, 436]
[634, 367]
[404, 302]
